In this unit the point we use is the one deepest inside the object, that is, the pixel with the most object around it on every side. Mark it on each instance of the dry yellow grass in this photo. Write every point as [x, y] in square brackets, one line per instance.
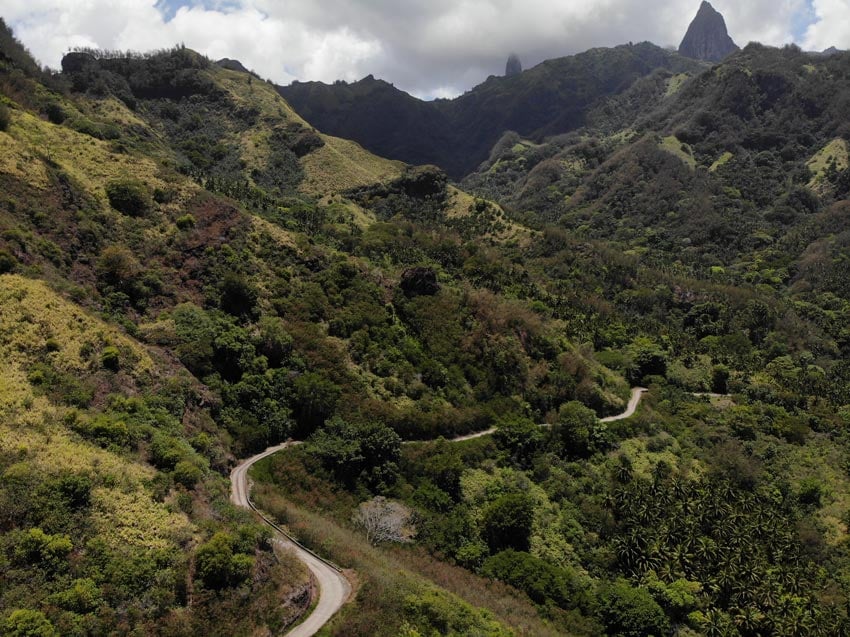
[834, 152]
[32, 428]
[341, 164]
[460, 205]
[33, 314]
[675, 83]
[673, 146]
[90, 161]
[721, 161]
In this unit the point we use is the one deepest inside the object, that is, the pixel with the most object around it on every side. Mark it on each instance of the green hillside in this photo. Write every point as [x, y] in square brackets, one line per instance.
[190, 273]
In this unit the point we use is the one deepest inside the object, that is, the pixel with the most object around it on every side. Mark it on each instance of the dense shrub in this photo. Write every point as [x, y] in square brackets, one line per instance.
[130, 197]
[110, 358]
[218, 566]
[540, 580]
[187, 473]
[631, 612]
[28, 623]
[507, 522]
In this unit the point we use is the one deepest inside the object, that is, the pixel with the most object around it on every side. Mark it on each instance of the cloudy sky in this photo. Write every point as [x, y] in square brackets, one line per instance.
[427, 47]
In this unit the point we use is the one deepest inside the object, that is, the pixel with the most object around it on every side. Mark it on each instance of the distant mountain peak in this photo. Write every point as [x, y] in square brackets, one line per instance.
[514, 65]
[707, 37]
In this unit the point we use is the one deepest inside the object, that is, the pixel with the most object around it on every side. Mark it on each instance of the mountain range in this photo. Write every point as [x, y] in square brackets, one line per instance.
[457, 135]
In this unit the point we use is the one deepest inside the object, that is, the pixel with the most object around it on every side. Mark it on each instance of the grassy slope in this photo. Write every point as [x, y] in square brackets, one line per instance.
[337, 166]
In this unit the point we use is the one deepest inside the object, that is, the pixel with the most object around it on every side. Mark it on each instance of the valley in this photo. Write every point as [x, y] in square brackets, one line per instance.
[274, 359]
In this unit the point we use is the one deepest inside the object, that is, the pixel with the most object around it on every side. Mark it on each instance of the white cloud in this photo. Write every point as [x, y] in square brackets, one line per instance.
[435, 48]
[831, 26]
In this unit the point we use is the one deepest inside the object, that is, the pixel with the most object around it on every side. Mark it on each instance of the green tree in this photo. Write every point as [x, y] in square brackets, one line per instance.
[507, 522]
[28, 623]
[367, 452]
[237, 295]
[647, 359]
[578, 431]
[520, 437]
[274, 342]
[627, 611]
[314, 400]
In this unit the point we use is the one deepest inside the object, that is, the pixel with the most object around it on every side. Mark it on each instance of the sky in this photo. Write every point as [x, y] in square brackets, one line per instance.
[430, 48]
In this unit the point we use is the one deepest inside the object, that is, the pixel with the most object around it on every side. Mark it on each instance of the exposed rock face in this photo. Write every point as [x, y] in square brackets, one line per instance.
[514, 66]
[232, 65]
[707, 37]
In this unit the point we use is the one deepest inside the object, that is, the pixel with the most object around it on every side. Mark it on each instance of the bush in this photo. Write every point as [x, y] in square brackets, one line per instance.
[187, 473]
[185, 222]
[55, 113]
[5, 117]
[84, 596]
[130, 197]
[37, 547]
[7, 261]
[218, 566]
[110, 358]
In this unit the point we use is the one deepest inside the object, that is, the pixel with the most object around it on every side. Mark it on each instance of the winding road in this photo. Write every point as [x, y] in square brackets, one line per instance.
[334, 588]
[631, 408]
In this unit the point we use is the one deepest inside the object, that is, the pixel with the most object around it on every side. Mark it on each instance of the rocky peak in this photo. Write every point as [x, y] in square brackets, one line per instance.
[707, 37]
[514, 66]
[232, 65]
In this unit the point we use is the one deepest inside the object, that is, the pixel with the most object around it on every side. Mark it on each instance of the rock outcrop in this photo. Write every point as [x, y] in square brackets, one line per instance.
[707, 38]
[514, 66]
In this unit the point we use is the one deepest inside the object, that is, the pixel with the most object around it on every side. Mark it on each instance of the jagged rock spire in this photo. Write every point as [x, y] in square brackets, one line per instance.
[514, 66]
[707, 37]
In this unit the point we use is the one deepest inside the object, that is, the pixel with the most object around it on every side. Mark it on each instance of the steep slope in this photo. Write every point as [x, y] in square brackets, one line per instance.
[738, 176]
[277, 278]
[707, 38]
[551, 98]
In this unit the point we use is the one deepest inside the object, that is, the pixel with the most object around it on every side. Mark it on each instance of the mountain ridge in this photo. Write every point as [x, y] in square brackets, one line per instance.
[457, 134]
